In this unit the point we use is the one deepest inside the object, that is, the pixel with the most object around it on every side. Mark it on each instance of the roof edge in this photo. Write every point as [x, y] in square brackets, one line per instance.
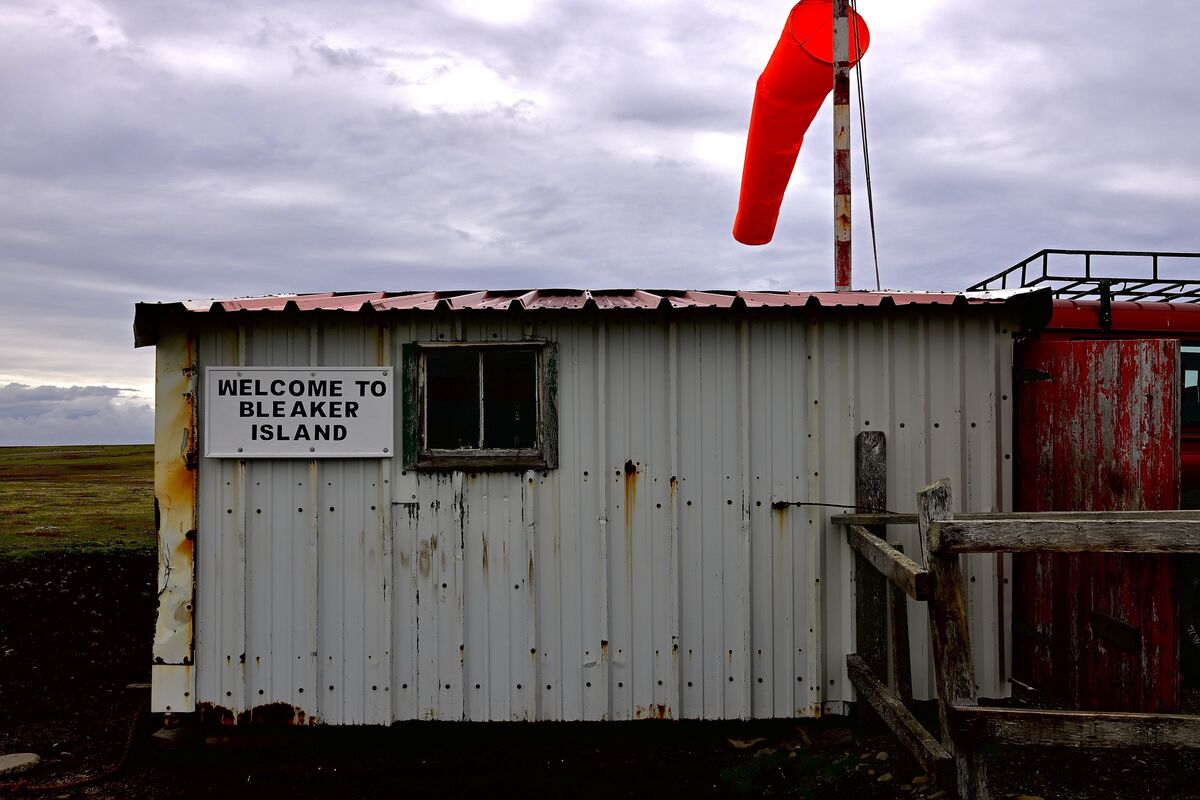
[149, 318]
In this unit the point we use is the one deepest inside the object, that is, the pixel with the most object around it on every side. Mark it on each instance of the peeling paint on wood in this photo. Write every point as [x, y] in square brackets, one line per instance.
[1102, 434]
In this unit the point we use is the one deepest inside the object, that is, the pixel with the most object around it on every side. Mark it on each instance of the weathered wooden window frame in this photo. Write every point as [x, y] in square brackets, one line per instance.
[420, 457]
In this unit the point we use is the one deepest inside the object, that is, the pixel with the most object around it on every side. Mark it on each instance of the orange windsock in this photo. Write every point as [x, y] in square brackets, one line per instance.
[790, 91]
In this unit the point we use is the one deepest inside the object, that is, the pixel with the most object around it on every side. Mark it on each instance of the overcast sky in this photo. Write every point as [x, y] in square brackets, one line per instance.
[156, 150]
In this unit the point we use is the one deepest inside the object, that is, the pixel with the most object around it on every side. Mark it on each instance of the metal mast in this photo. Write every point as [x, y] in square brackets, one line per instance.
[841, 145]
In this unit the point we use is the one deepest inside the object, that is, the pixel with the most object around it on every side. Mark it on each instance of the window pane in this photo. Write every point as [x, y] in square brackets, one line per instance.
[451, 399]
[510, 399]
[1189, 407]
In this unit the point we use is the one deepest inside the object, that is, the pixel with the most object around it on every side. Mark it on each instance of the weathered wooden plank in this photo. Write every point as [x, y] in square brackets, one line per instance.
[925, 748]
[901, 658]
[1059, 516]
[1154, 534]
[870, 588]
[874, 519]
[898, 568]
[1077, 728]
[953, 667]
[1169, 515]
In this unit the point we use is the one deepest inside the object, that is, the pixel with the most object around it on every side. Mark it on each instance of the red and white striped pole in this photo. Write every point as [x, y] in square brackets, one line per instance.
[841, 145]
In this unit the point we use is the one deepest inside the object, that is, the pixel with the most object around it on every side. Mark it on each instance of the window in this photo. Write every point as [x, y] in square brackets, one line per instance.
[1190, 366]
[480, 406]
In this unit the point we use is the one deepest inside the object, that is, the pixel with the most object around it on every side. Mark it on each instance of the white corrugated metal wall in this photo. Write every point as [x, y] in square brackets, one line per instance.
[359, 592]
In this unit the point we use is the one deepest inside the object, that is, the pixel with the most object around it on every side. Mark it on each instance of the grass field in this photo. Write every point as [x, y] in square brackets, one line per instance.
[77, 498]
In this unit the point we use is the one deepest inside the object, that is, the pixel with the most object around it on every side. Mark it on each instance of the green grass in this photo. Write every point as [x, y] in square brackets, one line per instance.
[77, 498]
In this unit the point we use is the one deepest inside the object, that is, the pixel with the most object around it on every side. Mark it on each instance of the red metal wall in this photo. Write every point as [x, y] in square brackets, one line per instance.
[1098, 429]
[1073, 320]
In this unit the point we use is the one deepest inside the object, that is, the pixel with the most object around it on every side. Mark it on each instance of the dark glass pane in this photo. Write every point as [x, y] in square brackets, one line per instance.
[451, 399]
[510, 399]
[1189, 407]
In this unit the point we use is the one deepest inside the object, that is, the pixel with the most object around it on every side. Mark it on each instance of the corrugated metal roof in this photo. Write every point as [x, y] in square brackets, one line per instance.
[148, 315]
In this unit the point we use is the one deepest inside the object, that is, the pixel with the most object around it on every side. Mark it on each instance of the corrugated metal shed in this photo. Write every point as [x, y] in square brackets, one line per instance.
[648, 575]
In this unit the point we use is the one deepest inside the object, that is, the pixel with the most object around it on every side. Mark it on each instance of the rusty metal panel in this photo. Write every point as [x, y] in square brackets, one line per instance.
[649, 575]
[1100, 431]
[175, 462]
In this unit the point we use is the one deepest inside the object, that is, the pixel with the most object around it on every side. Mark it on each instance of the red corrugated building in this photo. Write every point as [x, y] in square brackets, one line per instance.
[1108, 419]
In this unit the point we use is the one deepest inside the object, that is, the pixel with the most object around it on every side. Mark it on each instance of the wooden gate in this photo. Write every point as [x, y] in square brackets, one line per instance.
[1098, 430]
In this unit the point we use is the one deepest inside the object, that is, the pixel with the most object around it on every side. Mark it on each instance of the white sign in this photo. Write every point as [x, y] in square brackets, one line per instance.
[289, 412]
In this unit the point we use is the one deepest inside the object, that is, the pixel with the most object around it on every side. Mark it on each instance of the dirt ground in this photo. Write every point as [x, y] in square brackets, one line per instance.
[75, 630]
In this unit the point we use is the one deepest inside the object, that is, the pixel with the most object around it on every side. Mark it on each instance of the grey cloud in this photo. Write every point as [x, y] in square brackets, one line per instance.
[48, 415]
[679, 104]
[347, 57]
[231, 148]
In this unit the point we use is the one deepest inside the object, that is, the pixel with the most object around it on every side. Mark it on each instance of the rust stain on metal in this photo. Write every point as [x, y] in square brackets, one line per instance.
[268, 714]
[279, 714]
[631, 483]
[425, 557]
[186, 548]
[381, 354]
[780, 512]
[176, 457]
[212, 714]
[652, 711]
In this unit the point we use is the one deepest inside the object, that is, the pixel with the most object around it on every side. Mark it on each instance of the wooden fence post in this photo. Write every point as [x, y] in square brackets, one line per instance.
[870, 587]
[953, 666]
[901, 659]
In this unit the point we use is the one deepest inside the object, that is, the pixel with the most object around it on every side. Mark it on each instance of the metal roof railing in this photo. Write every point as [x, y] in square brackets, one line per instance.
[1069, 282]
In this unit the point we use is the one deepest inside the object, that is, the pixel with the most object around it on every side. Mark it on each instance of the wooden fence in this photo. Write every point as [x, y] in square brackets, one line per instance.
[953, 758]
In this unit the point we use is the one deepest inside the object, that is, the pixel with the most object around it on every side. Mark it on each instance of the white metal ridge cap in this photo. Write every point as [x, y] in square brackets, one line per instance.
[1000, 295]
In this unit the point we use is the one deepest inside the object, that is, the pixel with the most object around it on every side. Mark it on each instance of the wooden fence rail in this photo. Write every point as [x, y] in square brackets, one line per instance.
[964, 725]
[895, 566]
[1032, 535]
